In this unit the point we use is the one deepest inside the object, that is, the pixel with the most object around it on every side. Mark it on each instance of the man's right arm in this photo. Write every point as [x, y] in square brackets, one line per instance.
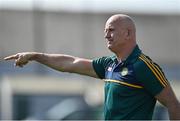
[60, 62]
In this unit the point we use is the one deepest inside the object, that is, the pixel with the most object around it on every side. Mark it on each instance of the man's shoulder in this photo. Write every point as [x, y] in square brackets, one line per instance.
[147, 66]
[110, 57]
[100, 64]
[150, 74]
[105, 58]
[143, 63]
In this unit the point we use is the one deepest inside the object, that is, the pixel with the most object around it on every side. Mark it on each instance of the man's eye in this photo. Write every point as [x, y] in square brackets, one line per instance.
[111, 29]
[108, 30]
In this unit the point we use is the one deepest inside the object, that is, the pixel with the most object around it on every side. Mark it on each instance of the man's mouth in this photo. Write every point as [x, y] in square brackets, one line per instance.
[110, 40]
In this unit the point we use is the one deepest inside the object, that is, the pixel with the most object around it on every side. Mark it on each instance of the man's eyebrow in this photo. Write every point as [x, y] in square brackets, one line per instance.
[109, 27]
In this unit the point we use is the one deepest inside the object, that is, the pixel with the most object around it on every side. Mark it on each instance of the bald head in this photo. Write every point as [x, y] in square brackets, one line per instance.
[123, 21]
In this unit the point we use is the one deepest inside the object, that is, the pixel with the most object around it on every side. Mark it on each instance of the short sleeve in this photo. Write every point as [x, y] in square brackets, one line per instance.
[151, 76]
[100, 65]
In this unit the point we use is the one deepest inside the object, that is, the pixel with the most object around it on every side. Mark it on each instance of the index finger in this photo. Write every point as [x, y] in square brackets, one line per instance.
[11, 57]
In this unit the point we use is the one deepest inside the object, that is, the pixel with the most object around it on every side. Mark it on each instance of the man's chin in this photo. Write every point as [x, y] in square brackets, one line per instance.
[110, 48]
[109, 45]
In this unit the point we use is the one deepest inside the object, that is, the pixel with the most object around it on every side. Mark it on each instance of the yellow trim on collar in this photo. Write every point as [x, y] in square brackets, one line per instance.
[123, 83]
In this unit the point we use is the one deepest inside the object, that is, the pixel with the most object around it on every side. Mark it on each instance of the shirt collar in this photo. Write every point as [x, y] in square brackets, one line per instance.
[131, 58]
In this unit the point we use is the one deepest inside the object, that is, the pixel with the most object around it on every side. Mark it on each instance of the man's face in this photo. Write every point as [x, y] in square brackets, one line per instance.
[115, 35]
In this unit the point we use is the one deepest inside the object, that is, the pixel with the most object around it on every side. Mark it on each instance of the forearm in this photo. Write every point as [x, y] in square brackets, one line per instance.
[168, 98]
[174, 112]
[59, 62]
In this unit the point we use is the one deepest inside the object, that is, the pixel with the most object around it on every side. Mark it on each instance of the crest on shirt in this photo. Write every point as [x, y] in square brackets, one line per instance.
[124, 71]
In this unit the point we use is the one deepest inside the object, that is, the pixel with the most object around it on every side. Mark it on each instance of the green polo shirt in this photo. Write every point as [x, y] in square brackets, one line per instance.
[130, 86]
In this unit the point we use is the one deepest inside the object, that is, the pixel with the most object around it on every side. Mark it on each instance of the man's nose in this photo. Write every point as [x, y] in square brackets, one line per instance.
[107, 35]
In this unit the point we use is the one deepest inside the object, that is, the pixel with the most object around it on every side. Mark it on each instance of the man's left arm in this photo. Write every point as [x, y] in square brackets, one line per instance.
[155, 82]
[168, 99]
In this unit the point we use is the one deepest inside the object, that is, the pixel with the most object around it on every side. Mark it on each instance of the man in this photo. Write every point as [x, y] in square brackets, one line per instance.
[133, 82]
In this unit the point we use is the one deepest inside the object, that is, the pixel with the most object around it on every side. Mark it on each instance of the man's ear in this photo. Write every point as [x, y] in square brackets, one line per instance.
[128, 33]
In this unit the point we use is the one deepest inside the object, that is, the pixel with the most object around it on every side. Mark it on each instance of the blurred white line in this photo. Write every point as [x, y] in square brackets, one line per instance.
[131, 6]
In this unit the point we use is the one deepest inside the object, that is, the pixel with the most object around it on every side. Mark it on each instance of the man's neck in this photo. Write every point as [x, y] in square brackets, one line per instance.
[124, 53]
